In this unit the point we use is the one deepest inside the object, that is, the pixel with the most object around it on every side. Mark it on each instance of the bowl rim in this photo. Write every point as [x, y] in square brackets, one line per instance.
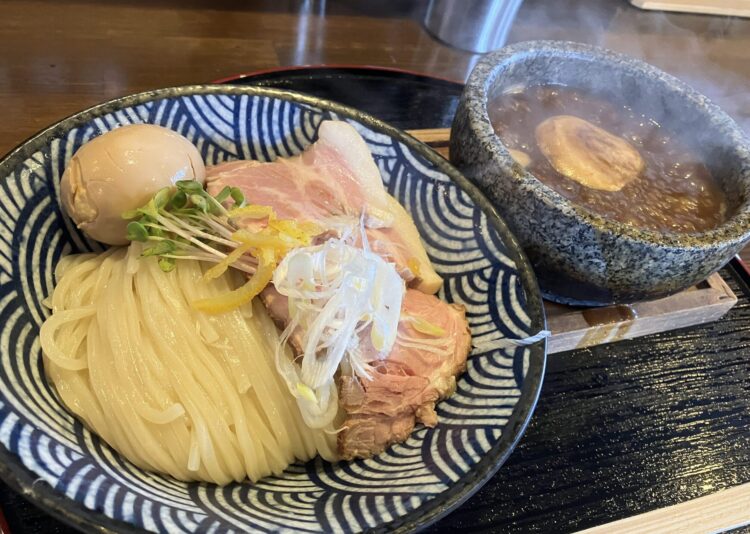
[25, 482]
[732, 232]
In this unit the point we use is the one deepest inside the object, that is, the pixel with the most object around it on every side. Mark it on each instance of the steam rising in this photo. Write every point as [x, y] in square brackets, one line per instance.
[707, 52]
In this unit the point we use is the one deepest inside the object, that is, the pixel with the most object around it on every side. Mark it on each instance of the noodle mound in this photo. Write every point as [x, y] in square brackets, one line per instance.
[172, 389]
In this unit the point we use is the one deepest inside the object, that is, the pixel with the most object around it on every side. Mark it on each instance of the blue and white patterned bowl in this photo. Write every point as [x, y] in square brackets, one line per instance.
[48, 456]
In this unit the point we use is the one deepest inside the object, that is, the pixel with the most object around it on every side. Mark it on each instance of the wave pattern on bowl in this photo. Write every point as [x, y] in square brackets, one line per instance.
[352, 496]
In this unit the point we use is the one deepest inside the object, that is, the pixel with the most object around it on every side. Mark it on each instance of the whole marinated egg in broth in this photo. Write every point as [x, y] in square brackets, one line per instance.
[605, 155]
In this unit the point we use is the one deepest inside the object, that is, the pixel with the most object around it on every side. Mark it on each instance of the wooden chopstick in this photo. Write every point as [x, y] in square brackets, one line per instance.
[718, 512]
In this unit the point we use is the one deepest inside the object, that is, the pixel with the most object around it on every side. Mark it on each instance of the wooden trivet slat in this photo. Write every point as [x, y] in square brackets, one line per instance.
[574, 327]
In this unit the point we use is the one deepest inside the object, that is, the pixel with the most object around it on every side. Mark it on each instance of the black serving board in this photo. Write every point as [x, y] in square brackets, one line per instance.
[619, 430]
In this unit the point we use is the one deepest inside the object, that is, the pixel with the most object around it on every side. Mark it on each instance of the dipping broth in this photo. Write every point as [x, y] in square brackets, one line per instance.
[608, 158]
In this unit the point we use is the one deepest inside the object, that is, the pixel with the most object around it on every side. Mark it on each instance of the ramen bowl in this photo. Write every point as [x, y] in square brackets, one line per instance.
[57, 463]
[581, 257]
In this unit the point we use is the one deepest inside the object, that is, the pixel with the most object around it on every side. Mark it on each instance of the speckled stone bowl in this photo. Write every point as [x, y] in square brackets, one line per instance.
[580, 257]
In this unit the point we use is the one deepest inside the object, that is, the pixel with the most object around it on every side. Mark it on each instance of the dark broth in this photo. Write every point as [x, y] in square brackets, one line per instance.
[675, 192]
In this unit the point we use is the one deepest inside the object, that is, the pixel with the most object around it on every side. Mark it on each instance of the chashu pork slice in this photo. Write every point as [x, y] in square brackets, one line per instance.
[404, 386]
[336, 176]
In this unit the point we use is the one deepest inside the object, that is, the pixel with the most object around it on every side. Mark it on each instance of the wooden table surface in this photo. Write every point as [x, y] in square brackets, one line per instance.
[61, 56]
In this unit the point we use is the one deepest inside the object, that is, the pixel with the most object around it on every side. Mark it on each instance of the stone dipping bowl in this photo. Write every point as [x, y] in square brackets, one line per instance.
[581, 257]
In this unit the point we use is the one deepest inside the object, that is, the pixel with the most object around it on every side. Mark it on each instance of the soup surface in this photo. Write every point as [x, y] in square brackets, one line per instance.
[608, 158]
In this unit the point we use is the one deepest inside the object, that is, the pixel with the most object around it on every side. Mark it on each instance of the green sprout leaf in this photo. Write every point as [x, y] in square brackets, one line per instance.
[238, 196]
[150, 209]
[179, 201]
[162, 247]
[223, 194]
[131, 214]
[199, 202]
[189, 186]
[167, 264]
[162, 197]
[137, 232]
[214, 206]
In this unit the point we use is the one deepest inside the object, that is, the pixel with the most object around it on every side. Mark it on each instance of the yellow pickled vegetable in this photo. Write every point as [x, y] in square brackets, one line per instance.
[245, 293]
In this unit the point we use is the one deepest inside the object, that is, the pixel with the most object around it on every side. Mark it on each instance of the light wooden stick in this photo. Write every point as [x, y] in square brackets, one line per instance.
[436, 138]
[432, 136]
[717, 512]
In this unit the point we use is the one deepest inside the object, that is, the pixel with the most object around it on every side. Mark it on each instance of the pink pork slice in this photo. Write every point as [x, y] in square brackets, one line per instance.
[404, 386]
[334, 177]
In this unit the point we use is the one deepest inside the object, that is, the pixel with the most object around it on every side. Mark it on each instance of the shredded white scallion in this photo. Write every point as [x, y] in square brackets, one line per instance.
[337, 293]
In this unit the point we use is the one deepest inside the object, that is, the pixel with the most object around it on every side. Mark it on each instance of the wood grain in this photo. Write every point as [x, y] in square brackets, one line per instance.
[718, 512]
[70, 54]
[575, 328]
[435, 137]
